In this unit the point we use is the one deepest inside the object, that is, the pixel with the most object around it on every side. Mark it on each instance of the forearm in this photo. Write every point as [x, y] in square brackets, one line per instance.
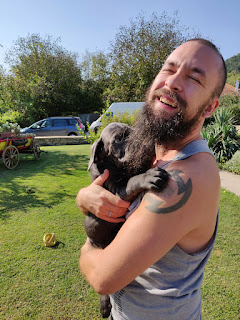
[102, 268]
[112, 268]
[88, 262]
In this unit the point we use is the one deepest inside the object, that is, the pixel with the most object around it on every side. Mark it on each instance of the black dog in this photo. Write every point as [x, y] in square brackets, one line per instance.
[110, 152]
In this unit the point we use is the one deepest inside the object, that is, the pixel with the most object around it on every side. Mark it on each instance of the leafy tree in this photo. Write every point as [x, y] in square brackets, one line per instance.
[92, 96]
[233, 63]
[46, 78]
[8, 99]
[135, 57]
[138, 53]
[96, 75]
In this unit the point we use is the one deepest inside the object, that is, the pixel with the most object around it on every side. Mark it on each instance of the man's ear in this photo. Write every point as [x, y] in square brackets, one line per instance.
[213, 105]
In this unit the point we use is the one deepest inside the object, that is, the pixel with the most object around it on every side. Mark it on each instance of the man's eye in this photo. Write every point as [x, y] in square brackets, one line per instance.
[196, 80]
[168, 70]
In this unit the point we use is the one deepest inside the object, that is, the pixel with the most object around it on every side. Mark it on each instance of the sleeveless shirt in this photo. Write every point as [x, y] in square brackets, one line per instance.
[171, 288]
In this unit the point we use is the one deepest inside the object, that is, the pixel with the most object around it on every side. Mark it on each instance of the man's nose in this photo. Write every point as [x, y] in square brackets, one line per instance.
[174, 82]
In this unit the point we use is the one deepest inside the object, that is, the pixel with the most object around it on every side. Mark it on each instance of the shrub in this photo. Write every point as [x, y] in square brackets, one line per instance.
[232, 102]
[236, 113]
[228, 100]
[92, 136]
[233, 165]
[222, 136]
[124, 117]
[10, 116]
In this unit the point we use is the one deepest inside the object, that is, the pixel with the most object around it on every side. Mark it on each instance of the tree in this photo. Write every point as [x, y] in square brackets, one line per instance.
[96, 75]
[8, 99]
[233, 63]
[139, 52]
[46, 78]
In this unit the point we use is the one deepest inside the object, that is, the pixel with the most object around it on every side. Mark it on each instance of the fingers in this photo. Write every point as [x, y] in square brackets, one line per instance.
[112, 219]
[102, 178]
[115, 201]
[101, 202]
[112, 208]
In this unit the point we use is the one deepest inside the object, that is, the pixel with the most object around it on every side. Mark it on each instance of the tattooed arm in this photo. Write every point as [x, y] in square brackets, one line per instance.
[183, 214]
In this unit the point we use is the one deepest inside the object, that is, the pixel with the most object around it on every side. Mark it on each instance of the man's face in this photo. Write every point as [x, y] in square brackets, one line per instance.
[186, 82]
[180, 98]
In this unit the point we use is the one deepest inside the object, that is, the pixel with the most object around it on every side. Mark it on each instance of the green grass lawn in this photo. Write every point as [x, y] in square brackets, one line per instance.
[36, 282]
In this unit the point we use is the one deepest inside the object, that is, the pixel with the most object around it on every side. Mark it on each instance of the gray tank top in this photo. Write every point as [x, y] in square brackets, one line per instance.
[171, 288]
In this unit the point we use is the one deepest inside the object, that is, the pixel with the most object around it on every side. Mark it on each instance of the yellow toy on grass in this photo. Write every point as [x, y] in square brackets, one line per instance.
[49, 239]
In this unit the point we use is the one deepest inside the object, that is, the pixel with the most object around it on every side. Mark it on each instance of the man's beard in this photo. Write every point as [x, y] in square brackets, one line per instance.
[153, 127]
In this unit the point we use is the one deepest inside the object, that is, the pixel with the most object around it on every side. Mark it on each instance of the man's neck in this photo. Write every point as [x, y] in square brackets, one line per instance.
[167, 153]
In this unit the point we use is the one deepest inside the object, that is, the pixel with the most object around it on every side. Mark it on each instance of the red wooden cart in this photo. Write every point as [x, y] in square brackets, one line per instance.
[11, 146]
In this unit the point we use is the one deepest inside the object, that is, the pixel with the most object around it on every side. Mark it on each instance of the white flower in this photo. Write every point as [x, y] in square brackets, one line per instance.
[10, 127]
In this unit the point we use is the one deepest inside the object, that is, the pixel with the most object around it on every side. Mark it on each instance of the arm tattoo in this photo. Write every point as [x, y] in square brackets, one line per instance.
[155, 205]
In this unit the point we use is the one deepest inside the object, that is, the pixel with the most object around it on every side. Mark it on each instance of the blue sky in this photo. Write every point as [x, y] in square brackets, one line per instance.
[91, 25]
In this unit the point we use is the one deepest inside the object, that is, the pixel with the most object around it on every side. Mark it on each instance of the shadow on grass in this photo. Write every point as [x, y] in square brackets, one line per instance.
[58, 245]
[19, 187]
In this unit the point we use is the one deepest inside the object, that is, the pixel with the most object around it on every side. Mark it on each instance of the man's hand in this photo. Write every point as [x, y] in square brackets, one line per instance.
[101, 202]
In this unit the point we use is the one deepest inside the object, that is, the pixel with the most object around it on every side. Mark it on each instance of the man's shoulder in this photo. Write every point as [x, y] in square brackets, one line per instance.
[192, 183]
[200, 168]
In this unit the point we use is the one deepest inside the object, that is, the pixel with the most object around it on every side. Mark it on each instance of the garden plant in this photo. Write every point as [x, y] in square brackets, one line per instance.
[222, 135]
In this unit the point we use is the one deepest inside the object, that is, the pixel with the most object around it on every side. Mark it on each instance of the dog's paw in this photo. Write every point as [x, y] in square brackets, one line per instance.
[156, 179]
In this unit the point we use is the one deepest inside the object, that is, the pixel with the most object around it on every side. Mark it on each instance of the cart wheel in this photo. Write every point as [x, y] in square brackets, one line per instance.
[36, 151]
[10, 157]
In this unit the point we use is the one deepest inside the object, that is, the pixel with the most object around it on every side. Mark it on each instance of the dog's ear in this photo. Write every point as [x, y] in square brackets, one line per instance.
[96, 151]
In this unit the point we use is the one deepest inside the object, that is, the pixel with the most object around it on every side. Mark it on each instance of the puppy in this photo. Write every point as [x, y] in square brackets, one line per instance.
[111, 152]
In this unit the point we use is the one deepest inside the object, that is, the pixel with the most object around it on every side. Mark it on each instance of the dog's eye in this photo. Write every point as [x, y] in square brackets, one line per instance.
[119, 138]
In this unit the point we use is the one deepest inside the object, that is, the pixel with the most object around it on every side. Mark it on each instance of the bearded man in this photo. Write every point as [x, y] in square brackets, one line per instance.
[154, 267]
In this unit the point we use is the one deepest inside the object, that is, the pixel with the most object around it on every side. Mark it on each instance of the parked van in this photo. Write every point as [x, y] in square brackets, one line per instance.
[117, 108]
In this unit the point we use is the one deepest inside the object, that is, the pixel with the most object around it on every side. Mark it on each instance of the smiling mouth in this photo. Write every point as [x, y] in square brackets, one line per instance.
[171, 104]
